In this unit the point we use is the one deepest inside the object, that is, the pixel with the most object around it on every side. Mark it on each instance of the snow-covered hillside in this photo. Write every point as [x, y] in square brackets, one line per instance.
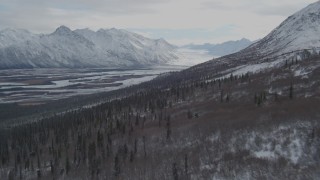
[299, 31]
[13, 36]
[295, 39]
[82, 48]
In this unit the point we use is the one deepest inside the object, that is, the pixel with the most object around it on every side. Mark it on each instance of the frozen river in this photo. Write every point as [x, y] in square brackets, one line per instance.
[34, 86]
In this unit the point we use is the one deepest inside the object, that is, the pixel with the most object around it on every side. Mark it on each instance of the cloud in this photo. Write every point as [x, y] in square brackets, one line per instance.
[175, 20]
[270, 7]
[42, 15]
[109, 7]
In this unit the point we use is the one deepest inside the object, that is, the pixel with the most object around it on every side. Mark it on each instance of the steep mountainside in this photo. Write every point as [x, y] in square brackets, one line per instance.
[13, 36]
[222, 49]
[81, 48]
[122, 43]
[294, 39]
[299, 31]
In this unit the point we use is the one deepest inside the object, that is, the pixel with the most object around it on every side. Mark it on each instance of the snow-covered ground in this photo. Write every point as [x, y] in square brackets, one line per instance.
[190, 57]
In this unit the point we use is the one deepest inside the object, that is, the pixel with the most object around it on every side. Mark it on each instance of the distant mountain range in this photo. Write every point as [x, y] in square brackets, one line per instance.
[222, 49]
[65, 48]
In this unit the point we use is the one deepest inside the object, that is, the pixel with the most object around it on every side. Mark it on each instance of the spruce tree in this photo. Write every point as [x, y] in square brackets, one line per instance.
[67, 164]
[291, 91]
[116, 166]
[175, 171]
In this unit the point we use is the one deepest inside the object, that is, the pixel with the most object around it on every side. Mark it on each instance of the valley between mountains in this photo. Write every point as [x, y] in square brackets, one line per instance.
[253, 114]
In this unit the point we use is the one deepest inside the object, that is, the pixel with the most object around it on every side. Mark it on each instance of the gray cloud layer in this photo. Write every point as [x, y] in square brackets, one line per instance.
[239, 18]
[271, 7]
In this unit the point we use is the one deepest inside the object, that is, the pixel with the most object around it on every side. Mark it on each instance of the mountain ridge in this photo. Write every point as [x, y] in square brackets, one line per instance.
[81, 48]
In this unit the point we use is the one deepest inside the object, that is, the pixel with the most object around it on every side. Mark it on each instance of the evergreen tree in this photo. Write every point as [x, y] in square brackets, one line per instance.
[116, 166]
[144, 146]
[275, 96]
[221, 96]
[190, 116]
[168, 128]
[175, 171]
[255, 98]
[131, 156]
[67, 165]
[227, 98]
[291, 91]
[186, 164]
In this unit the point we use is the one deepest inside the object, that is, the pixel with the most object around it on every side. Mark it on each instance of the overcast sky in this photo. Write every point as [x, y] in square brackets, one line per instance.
[178, 21]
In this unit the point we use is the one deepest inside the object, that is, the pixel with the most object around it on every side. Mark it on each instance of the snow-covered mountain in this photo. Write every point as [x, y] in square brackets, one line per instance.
[222, 49]
[299, 31]
[296, 38]
[9, 37]
[82, 48]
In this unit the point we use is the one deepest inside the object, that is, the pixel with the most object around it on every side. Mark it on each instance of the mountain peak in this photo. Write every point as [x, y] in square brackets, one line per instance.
[85, 30]
[245, 40]
[108, 30]
[161, 40]
[62, 30]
